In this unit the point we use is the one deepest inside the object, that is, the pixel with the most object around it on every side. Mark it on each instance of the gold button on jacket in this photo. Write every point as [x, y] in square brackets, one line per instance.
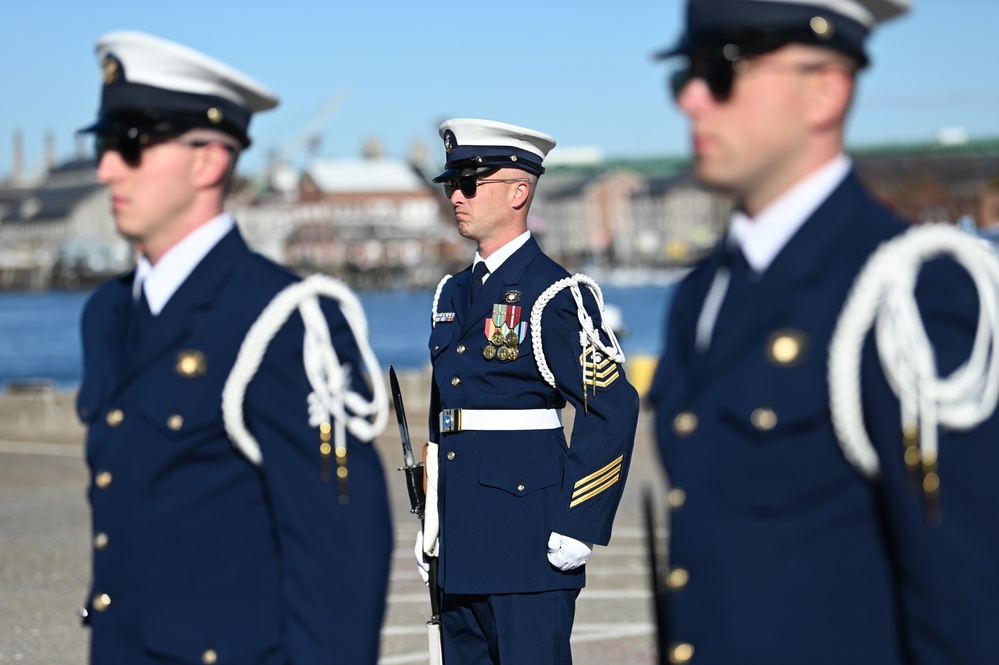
[763, 419]
[684, 423]
[101, 602]
[677, 578]
[681, 652]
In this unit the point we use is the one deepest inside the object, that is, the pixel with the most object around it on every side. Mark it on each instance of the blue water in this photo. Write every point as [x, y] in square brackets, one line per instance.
[40, 332]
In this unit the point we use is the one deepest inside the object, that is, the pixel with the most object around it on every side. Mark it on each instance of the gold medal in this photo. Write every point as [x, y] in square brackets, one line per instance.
[489, 352]
[503, 353]
[497, 338]
[512, 353]
[512, 339]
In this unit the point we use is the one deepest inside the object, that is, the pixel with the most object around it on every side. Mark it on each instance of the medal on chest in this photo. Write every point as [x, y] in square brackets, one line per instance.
[504, 332]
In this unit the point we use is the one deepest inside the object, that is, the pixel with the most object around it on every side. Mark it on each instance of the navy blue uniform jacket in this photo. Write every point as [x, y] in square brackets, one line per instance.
[790, 555]
[202, 555]
[503, 492]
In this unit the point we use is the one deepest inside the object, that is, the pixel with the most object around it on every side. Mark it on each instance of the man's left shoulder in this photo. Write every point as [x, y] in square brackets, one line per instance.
[544, 266]
[268, 273]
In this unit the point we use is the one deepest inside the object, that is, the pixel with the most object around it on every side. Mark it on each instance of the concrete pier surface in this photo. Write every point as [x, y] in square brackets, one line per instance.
[45, 544]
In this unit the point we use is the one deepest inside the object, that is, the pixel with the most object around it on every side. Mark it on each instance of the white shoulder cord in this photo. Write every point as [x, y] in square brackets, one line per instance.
[884, 296]
[330, 381]
[588, 336]
[437, 298]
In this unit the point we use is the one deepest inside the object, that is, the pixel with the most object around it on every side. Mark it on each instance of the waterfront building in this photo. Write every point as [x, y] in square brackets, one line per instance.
[379, 222]
[60, 231]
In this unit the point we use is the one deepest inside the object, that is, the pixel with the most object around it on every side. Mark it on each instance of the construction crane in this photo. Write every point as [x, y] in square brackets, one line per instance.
[282, 171]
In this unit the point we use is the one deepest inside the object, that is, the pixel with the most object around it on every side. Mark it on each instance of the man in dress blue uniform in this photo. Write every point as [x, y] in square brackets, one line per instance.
[520, 507]
[200, 555]
[781, 552]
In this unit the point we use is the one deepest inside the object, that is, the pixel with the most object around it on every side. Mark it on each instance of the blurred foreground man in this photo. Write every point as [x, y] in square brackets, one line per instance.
[787, 548]
[514, 339]
[258, 536]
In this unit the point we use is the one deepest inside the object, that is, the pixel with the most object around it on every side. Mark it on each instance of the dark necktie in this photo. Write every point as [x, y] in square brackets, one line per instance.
[140, 320]
[479, 271]
[741, 278]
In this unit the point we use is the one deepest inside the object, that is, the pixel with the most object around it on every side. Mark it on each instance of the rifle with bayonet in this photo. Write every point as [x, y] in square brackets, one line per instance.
[418, 502]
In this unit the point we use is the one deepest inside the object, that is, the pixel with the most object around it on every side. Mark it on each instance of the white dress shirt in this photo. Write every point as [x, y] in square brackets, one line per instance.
[161, 281]
[497, 258]
[763, 237]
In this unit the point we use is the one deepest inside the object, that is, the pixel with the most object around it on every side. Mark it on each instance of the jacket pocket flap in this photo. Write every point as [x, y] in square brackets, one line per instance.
[188, 412]
[440, 338]
[520, 474]
[235, 630]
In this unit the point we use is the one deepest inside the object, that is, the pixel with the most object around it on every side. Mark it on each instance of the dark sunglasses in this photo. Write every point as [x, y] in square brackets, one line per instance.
[719, 74]
[469, 184]
[130, 144]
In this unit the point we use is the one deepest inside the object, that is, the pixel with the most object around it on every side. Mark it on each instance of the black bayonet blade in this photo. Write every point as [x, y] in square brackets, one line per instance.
[400, 414]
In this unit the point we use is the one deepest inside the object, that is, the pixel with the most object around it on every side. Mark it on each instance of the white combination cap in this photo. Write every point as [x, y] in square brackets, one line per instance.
[474, 145]
[166, 87]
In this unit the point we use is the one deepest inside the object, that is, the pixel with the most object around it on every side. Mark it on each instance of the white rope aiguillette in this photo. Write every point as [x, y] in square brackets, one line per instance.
[883, 296]
[331, 396]
[437, 298]
[588, 335]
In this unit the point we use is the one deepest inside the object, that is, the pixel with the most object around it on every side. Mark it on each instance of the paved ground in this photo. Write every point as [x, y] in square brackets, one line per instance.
[44, 549]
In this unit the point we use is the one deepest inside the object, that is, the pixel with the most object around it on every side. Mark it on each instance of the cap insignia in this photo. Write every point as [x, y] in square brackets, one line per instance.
[821, 27]
[110, 70]
[448, 146]
[787, 347]
[191, 364]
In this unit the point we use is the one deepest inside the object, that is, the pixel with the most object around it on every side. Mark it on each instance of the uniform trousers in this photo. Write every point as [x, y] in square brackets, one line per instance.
[508, 629]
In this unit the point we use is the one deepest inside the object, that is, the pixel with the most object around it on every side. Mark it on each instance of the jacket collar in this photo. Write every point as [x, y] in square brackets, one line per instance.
[509, 274]
[199, 293]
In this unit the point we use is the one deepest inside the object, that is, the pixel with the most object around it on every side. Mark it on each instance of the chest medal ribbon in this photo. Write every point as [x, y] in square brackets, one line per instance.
[505, 332]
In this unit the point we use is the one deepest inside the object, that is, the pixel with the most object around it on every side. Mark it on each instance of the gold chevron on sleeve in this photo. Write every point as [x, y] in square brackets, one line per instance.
[590, 486]
[598, 370]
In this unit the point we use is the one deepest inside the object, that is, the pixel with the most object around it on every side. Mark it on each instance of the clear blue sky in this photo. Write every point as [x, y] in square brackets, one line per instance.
[580, 70]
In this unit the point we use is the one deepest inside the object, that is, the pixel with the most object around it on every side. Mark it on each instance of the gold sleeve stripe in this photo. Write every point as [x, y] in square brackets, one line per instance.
[596, 481]
[583, 481]
[593, 493]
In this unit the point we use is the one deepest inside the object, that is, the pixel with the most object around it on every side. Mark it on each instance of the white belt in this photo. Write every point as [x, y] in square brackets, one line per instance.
[459, 420]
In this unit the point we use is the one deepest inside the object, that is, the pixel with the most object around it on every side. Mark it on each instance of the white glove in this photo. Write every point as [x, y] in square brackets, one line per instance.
[566, 553]
[422, 565]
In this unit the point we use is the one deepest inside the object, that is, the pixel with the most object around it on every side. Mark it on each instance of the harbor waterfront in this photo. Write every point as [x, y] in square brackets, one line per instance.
[40, 332]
